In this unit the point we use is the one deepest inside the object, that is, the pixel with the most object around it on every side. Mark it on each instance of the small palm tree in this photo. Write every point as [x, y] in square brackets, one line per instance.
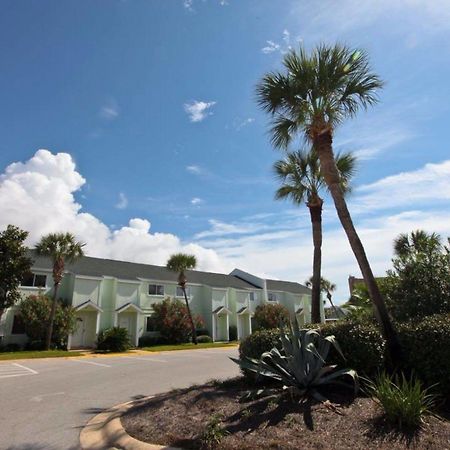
[60, 248]
[316, 93]
[302, 182]
[180, 262]
[418, 242]
[327, 287]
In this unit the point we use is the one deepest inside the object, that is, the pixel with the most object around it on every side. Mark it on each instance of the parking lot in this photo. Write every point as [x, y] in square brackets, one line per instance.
[44, 403]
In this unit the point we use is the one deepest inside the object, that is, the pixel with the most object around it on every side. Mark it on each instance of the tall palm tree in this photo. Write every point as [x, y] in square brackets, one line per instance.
[60, 248]
[180, 262]
[314, 95]
[302, 182]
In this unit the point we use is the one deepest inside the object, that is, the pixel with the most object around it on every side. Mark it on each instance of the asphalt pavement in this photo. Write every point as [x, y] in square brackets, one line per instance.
[44, 403]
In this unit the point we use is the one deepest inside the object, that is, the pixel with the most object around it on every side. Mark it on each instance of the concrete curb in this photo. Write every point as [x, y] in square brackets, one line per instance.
[105, 431]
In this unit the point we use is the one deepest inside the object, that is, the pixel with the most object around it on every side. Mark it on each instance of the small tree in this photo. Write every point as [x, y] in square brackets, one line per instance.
[172, 321]
[60, 248]
[270, 316]
[14, 265]
[180, 262]
[35, 311]
[419, 283]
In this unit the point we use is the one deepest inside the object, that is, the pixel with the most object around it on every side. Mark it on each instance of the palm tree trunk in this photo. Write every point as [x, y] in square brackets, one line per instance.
[323, 145]
[315, 211]
[194, 332]
[48, 338]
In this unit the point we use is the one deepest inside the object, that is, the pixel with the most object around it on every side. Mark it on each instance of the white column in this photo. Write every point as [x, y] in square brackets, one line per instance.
[239, 327]
[228, 327]
[136, 337]
[69, 342]
[116, 319]
[214, 327]
[97, 325]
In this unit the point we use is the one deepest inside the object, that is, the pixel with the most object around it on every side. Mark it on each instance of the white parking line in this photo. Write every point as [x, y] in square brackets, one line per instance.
[89, 362]
[149, 359]
[15, 370]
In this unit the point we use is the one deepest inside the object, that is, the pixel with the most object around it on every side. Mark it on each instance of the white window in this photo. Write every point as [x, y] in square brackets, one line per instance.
[155, 289]
[34, 280]
[272, 297]
[180, 292]
[252, 296]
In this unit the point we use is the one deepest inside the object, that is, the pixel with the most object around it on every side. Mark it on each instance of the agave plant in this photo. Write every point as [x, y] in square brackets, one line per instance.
[300, 366]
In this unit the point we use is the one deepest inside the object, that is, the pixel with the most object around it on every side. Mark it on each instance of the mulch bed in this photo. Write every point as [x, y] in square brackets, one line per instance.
[181, 417]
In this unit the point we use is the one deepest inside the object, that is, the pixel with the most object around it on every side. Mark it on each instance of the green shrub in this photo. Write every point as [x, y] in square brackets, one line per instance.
[362, 346]
[232, 333]
[8, 348]
[256, 344]
[149, 341]
[404, 401]
[202, 339]
[35, 313]
[172, 321]
[270, 316]
[113, 340]
[426, 347]
[202, 332]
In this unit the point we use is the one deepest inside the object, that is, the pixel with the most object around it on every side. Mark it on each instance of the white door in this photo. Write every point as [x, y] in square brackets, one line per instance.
[78, 335]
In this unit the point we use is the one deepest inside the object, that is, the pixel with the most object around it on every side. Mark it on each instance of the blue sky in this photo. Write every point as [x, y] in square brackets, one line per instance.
[151, 107]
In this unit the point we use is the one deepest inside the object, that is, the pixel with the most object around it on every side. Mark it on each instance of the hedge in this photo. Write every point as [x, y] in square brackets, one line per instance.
[113, 340]
[426, 346]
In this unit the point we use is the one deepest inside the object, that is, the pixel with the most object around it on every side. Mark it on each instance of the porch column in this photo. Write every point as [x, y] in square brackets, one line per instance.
[214, 327]
[239, 327]
[228, 327]
[136, 337]
[116, 319]
[249, 324]
[97, 323]
[69, 341]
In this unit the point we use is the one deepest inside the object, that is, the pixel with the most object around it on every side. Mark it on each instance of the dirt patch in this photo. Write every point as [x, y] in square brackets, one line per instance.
[213, 413]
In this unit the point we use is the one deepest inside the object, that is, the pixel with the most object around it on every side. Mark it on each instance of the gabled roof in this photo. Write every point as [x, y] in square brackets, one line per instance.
[88, 304]
[243, 310]
[287, 286]
[129, 305]
[221, 310]
[98, 267]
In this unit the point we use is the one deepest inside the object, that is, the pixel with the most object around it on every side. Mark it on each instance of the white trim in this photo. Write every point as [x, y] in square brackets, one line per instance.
[123, 308]
[87, 277]
[120, 280]
[87, 304]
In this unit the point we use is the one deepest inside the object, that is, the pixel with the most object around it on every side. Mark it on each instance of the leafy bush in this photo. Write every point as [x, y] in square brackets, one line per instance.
[8, 348]
[404, 401]
[35, 345]
[35, 313]
[426, 347]
[419, 283]
[113, 340]
[202, 332]
[232, 333]
[204, 339]
[172, 321]
[362, 345]
[149, 341]
[256, 344]
[270, 316]
[300, 366]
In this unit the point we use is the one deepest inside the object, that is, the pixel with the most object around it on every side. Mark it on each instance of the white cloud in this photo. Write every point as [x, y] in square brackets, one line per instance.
[426, 185]
[198, 110]
[196, 201]
[194, 169]
[110, 110]
[282, 47]
[38, 196]
[270, 47]
[123, 201]
[244, 123]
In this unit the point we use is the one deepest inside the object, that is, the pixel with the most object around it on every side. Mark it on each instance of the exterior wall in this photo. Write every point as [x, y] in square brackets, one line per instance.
[109, 294]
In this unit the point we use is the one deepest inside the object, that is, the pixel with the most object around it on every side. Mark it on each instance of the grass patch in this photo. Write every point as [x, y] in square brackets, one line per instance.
[188, 346]
[38, 354]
